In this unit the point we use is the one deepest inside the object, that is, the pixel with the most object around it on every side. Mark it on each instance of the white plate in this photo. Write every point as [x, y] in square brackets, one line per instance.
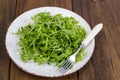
[31, 67]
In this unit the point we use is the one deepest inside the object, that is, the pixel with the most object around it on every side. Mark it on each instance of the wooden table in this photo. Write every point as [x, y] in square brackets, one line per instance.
[105, 62]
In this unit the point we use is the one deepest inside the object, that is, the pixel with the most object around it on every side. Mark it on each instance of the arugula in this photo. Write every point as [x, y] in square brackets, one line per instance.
[50, 39]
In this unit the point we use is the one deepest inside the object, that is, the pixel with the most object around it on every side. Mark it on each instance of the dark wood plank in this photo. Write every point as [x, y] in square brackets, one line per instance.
[30, 4]
[6, 17]
[105, 62]
[22, 6]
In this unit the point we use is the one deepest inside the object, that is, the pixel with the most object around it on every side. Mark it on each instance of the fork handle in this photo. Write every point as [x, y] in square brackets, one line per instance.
[89, 37]
[92, 34]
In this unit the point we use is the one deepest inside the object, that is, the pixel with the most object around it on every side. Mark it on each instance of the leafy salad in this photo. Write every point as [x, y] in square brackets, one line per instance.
[50, 39]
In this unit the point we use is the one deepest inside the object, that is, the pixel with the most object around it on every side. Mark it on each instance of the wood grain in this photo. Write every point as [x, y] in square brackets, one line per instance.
[30, 4]
[105, 62]
[7, 12]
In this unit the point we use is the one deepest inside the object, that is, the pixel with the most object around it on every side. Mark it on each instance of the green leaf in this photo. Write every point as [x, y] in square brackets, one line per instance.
[50, 39]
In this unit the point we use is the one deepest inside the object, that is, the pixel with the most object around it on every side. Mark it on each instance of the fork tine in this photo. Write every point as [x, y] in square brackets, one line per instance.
[62, 66]
[61, 70]
[65, 67]
[67, 63]
[64, 63]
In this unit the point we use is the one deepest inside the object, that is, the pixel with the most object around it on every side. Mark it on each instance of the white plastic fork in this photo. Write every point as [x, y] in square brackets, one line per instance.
[71, 60]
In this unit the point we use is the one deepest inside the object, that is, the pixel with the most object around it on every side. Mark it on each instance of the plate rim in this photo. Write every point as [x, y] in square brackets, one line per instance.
[39, 74]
